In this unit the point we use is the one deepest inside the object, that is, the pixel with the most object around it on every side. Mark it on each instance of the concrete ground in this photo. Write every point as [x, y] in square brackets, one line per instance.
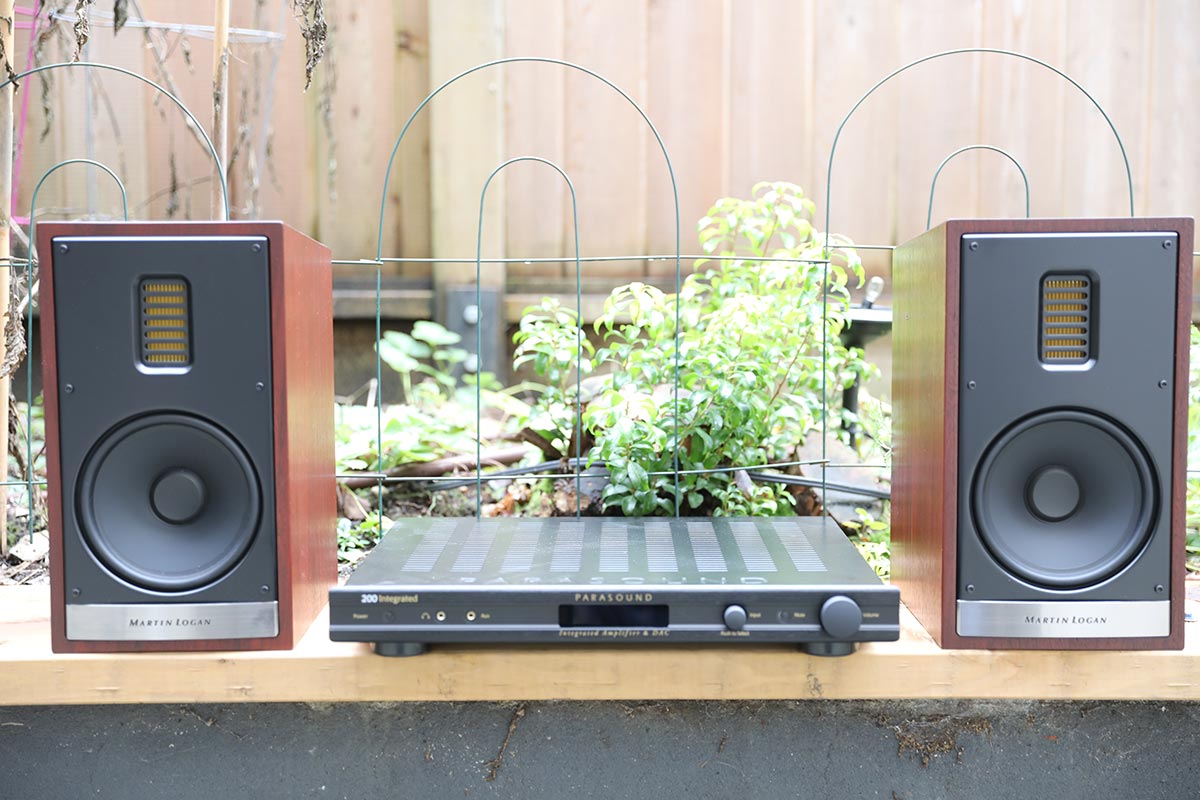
[826, 749]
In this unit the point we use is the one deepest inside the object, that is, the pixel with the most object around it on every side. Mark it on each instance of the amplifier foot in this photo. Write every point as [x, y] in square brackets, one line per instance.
[828, 648]
[400, 649]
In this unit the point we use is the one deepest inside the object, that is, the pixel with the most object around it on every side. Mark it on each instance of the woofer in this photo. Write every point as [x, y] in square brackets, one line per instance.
[169, 502]
[1064, 498]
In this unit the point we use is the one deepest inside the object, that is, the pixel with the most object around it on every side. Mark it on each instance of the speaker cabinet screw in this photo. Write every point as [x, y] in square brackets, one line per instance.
[265, 589]
[258, 387]
[971, 384]
[254, 248]
[1159, 588]
[970, 588]
[62, 248]
[974, 245]
[1167, 244]
[1162, 384]
[70, 387]
[75, 593]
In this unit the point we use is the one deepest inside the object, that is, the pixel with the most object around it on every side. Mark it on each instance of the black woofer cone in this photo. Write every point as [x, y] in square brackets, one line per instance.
[168, 502]
[1064, 499]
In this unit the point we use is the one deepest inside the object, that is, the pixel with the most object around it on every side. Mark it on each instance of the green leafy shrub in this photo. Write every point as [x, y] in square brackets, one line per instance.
[437, 417]
[355, 541]
[755, 329]
[429, 351]
[873, 538]
[550, 340]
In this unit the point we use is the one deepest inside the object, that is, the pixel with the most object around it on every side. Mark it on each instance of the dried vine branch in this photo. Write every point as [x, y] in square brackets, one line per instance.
[325, 109]
[160, 62]
[12, 75]
[311, 16]
[83, 25]
[45, 79]
[14, 328]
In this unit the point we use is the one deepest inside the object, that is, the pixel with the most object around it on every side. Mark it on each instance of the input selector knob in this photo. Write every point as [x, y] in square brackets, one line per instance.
[735, 618]
[841, 617]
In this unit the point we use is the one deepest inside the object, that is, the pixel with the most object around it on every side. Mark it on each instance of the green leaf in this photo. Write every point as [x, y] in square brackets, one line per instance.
[432, 333]
[406, 344]
[395, 357]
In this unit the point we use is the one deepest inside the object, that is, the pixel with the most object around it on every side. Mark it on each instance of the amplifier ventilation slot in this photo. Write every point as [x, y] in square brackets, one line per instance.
[475, 549]
[754, 550]
[1066, 321]
[706, 548]
[799, 549]
[522, 549]
[568, 548]
[427, 553]
[660, 547]
[614, 548]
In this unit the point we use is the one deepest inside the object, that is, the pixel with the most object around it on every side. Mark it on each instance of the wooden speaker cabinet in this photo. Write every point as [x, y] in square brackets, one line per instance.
[1040, 424]
[188, 372]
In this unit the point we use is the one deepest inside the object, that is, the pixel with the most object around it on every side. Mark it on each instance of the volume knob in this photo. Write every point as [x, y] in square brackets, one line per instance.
[735, 618]
[841, 617]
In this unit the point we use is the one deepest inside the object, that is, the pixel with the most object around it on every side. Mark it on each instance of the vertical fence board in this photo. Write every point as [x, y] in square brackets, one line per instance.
[537, 208]
[605, 138]
[857, 47]
[688, 103]
[288, 187]
[1022, 109]
[409, 199]
[1106, 54]
[772, 95]
[36, 154]
[466, 136]
[363, 125]
[117, 137]
[939, 113]
[166, 135]
[1173, 169]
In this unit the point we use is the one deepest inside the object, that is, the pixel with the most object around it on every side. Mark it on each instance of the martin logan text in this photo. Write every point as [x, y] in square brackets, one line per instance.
[1032, 620]
[169, 623]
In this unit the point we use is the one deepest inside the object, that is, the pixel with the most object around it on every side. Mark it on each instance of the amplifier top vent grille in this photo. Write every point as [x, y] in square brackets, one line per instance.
[1066, 321]
[165, 314]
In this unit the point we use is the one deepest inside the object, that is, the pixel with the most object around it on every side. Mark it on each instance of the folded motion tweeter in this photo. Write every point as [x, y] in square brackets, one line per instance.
[188, 371]
[1040, 399]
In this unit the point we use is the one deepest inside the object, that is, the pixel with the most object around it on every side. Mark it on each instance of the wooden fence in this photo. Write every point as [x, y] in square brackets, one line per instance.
[740, 90]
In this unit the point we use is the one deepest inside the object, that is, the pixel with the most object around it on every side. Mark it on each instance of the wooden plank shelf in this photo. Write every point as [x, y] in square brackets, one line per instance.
[319, 670]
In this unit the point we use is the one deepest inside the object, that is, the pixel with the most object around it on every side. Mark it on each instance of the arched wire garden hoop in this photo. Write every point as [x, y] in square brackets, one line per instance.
[678, 251]
[28, 265]
[578, 336]
[38, 187]
[968, 148]
[829, 183]
[212, 151]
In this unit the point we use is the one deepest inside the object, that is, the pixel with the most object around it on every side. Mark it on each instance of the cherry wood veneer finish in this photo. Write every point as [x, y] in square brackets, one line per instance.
[301, 278]
[925, 275]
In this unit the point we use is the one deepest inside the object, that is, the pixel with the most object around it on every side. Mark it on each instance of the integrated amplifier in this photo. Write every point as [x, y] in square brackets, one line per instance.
[607, 580]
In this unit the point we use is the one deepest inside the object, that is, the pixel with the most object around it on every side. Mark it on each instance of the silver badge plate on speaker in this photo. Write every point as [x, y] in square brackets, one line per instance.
[1065, 619]
[170, 622]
